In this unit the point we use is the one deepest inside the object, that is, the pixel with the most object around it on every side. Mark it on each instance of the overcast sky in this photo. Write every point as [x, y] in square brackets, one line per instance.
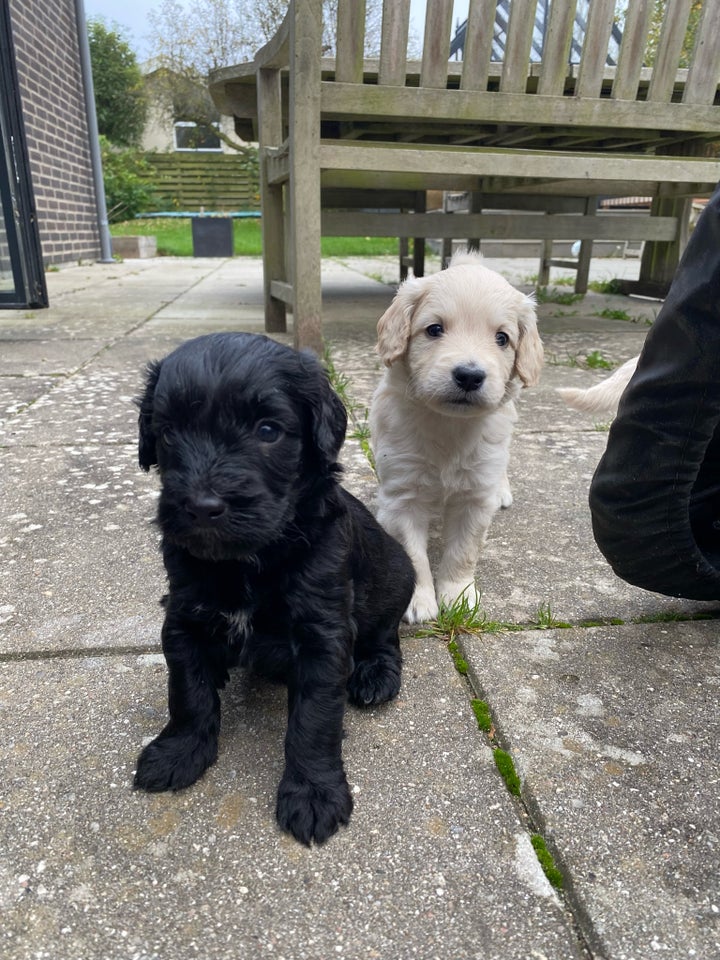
[131, 15]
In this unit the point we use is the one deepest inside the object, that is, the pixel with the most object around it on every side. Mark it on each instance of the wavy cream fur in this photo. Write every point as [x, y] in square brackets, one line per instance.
[439, 454]
[604, 396]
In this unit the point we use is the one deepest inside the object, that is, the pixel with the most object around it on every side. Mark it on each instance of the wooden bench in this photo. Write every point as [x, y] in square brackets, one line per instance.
[350, 145]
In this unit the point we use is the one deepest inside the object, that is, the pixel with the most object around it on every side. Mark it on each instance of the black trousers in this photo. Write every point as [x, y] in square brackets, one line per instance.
[655, 495]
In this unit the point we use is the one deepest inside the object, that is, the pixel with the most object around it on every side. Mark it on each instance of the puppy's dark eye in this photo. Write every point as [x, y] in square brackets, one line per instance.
[434, 330]
[502, 339]
[267, 431]
[167, 438]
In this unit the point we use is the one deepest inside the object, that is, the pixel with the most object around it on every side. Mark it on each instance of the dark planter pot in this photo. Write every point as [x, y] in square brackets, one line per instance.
[212, 236]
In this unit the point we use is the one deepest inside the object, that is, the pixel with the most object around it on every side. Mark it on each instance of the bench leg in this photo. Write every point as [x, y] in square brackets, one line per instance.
[476, 206]
[419, 242]
[545, 258]
[271, 198]
[583, 268]
[660, 260]
[273, 234]
[446, 252]
[404, 246]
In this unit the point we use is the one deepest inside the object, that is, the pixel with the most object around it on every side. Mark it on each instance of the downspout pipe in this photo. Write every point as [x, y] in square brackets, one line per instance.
[93, 136]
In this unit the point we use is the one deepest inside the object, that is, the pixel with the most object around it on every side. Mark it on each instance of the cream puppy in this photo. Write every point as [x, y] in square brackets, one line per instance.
[458, 347]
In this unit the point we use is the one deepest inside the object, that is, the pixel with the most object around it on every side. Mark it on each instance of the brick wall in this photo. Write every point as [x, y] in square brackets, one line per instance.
[48, 65]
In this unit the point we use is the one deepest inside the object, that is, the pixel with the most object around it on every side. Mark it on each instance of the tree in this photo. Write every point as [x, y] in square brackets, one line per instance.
[119, 95]
[188, 43]
[128, 179]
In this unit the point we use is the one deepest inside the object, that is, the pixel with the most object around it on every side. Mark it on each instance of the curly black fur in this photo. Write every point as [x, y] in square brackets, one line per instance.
[271, 564]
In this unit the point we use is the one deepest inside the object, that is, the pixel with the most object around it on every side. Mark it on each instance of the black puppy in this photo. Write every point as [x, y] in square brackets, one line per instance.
[271, 565]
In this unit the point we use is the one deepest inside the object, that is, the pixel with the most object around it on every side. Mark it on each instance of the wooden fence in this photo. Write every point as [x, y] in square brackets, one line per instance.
[213, 181]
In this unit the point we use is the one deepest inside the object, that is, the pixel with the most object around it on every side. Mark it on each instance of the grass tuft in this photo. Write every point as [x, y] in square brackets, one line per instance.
[546, 861]
[358, 415]
[545, 619]
[506, 767]
[551, 295]
[461, 665]
[605, 286]
[482, 714]
[596, 361]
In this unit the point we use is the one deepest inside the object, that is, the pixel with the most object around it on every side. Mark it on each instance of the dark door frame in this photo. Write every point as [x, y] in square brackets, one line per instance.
[17, 203]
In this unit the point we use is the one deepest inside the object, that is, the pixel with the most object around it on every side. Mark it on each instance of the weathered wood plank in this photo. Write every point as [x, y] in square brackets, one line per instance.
[672, 37]
[436, 46]
[481, 161]
[632, 49]
[557, 48]
[350, 40]
[281, 290]
[609, 226]
[304, 183]
[704, 73]
[478, 45]
[448, 179]
[393, 43]
[595, 46]
[411, 103]
[273, 216]
[517, 46]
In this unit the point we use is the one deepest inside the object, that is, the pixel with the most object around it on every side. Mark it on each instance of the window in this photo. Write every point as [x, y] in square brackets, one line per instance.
[193, 136]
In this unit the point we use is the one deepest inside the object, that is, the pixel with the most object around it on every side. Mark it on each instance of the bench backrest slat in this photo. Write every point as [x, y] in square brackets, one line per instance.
[672, 36]
[478, 45]
[393, 43]
[438, 21]
[704, 72]
[485, 32]
[595, 48]
[513, 78]
[556, 52]
[350, 40]
[632, 50]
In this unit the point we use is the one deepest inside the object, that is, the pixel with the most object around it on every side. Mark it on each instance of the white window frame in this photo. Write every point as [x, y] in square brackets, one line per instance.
[191, 123]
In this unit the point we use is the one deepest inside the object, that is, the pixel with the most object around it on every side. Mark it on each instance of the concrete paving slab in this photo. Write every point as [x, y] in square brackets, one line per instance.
[435, 862]
[614, 734]
[79, 565]
[45, 357]
[94, 404]
[16, 393]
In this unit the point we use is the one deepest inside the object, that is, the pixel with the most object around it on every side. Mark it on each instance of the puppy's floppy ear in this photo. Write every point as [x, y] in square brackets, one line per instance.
[395, 324]
[147, 454]
[529, 356]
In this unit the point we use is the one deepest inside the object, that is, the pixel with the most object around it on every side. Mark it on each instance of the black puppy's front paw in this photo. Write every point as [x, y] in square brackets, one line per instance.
[313, 810]
[174, 760]
[375, 680]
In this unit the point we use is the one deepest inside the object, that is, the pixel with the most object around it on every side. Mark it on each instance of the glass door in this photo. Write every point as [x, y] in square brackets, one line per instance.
[22, 278]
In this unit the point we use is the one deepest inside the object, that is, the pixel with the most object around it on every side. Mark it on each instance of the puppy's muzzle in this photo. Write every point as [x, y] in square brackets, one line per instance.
[205, 509]
[469, 377]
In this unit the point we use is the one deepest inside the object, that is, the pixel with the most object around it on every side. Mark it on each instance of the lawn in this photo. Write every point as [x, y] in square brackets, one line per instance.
[174, 239]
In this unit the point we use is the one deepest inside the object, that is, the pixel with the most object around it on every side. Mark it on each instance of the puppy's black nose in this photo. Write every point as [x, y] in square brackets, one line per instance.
[205, 508]
[469, 378]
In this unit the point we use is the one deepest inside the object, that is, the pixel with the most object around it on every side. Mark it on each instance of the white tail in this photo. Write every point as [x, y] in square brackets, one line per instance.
[603, 397]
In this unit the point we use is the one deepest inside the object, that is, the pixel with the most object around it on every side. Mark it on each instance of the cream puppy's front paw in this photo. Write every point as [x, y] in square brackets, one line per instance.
[506, 497]
[423, 606]
[450, 592]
